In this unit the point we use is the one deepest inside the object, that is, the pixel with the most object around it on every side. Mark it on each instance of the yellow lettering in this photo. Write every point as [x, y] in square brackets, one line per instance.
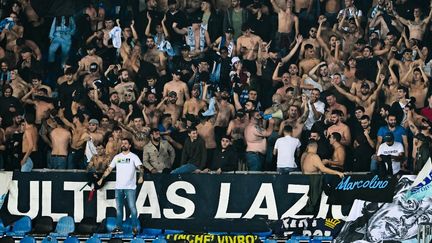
[232, 239]
[207, 238]
[250, 239]
[198, 238]
[220, 239]
[240, 239]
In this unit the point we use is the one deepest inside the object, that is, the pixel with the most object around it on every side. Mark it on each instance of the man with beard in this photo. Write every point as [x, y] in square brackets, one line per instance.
[338, 126]
[67, 89]
[155, 57]
[154, 86]
[256, 142]
[224, 158]
[194, 104]
[85, 62]
[234, 17]
[418, 87]
[139, 134]
[169, 105]
[312, 40]
[125, 84]
[125, 164]
[323, 77]
[390, 154]
[149, 108]
[324, 149]
[94, 134]
[397, 108]
[309, 61]
[366, 98]
[158, 155]
[114, 101]
[294, 119]
[15, 127]
[364, 146]
[337, 161]
[398, 132]
[178, 87]
[316, 109]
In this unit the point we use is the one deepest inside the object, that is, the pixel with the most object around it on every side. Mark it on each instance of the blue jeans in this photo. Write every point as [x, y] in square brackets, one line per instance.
[374, 166]
[58, 162]
[129, 195]
[255, 161]
[286, 170]
[185, 169]
[27, 166]
[64, 44]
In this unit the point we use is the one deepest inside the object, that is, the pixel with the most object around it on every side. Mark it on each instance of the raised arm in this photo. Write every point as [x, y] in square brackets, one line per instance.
[276, 8]
[293, 51]
[312, 72]
[275, 76]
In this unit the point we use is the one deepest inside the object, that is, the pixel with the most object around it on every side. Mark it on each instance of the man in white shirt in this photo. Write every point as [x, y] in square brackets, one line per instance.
[316, 108]
[286, 148]
[390, 155]
[125, 164]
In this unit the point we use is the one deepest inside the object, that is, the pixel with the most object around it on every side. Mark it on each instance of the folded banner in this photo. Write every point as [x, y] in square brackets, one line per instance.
[422, 186]
[370, 188]
[396, 221]
[5, 180]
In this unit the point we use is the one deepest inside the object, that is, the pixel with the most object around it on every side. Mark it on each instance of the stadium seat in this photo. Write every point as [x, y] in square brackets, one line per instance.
[86, 227]
[20, 227]
[3, 228]
[65, 226]
[72, 239]
[93, 239]
[49, 239]
[173, 232]
[28, 239]
[115, 240]
[159, 240]
[150, 233]
[104, 230]
[137, 240]
[43, 225]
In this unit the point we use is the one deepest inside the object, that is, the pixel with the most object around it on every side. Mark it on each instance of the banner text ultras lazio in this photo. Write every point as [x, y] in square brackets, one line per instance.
[166, 197]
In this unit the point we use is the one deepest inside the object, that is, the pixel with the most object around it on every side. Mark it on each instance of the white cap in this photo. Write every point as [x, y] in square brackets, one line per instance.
[234, 60]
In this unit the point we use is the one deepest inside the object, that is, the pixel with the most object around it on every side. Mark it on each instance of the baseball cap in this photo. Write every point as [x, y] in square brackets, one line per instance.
[94, 121]
[365, 85]
[177, 72]
[388, 137]
[229, 30]
[234, 60]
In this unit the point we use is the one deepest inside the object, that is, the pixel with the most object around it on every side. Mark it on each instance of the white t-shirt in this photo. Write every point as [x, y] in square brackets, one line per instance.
[396, 149]
[320, 107]
[125, 165]
[286, 148]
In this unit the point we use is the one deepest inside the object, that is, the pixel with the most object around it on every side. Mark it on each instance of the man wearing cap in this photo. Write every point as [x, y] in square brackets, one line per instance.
[234, 17]
[93, 131]
[390, 154]
[226, 40]
[178, 86]
[169, 105]
[158, 155]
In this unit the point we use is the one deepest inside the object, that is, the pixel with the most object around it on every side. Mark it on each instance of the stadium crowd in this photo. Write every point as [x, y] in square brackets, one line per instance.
[208, 85]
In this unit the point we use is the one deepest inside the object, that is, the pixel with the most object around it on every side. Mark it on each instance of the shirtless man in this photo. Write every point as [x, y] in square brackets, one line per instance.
[114, 143]
[286, 21]
[37, 84]
[366, 97]
[97, 16]
[338, 158]
[294, 119]
[323, 77]
[85, 62]
[94, 133]
[179, 87]
[404, 65]
[15, 127]
[390, 89]
[100, 161]
[312, 164]
[19, 86]
[311, 40]
[417, 27]
[418, 87]
[340, 127]
[60, 141]
[256, 142]
[169, 105]
[286, 80]
[206, 130]
[139, 134]
[41, 103]
[114, 104]
[29, 144]
[334, 105]
[309, 60]
[12, 34]
[125, 85]
[21, 43]
[236, 129]
[155, 56]
[79, 137]
[194, 104]
[32, 16]
[248, 44]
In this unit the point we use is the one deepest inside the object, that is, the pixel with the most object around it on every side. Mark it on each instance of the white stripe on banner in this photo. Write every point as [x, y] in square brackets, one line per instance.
[5, 181]
[422, 185]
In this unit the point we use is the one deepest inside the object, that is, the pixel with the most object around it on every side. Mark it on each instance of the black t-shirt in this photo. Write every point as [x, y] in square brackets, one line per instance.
[180, 18]
[262, 27]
